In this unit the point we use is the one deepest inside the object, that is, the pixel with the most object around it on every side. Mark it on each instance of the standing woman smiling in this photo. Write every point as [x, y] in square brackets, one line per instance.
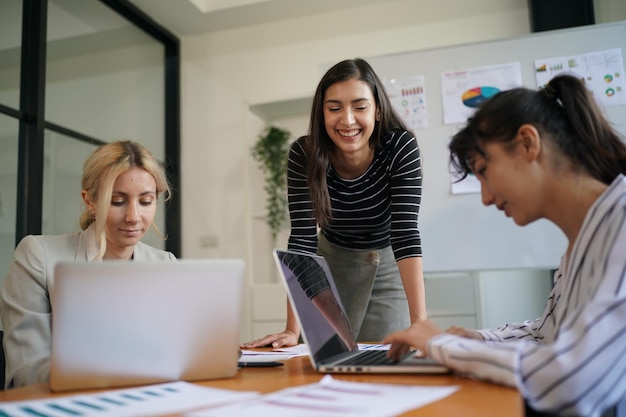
[357, 177]
[121, 185]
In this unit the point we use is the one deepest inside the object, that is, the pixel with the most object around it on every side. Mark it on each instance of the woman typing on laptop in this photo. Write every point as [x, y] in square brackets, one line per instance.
[549, 154]
[121, 185]
[357, 176]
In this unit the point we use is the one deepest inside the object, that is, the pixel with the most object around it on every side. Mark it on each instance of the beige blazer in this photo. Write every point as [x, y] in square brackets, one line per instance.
[24, 302]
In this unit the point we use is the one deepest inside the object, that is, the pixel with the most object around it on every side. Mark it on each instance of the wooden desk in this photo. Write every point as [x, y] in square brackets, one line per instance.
[474, 399]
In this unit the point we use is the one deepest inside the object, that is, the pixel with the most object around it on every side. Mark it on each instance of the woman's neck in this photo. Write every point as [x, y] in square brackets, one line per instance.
[119, 253]
[351, 165]
[571, 200]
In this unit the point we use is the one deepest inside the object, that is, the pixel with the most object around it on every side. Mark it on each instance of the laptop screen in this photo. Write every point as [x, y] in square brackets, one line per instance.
[314, 298]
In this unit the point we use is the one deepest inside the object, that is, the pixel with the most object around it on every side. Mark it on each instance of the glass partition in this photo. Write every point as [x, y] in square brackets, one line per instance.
[10, 51]
[8, 190]
[104, 76]
[63, 167]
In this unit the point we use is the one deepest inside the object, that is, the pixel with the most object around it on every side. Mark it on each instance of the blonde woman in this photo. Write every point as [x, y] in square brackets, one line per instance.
[121, 184]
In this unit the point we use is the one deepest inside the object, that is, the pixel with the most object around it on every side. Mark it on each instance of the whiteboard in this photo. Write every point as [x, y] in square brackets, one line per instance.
[458, 232]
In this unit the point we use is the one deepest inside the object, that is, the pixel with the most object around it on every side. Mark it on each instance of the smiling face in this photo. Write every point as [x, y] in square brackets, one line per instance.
[350, 114]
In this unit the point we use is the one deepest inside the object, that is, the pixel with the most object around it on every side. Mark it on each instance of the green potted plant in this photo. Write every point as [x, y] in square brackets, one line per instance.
[270, 151]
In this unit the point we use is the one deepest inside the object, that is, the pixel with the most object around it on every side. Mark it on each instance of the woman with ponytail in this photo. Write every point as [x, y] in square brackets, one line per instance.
[549, 154]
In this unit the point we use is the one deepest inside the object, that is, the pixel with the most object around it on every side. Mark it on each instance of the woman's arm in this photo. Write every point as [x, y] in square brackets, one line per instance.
[25, 313]
[412, 276]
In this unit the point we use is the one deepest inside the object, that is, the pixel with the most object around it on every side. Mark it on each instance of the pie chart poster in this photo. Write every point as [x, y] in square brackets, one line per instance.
[465, 89]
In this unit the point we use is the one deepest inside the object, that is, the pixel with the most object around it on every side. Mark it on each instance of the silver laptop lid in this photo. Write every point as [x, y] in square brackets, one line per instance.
[314, 298]
[118, 323]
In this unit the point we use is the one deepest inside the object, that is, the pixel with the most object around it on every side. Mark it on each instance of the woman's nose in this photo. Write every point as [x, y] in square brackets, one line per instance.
[132, 214]
[487, 196]
[348, 117]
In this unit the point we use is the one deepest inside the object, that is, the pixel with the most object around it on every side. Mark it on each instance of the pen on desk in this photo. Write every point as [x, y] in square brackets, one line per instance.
[258, 364]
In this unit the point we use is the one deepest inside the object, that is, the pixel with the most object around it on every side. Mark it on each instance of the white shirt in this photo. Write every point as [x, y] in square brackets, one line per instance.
[572, 360]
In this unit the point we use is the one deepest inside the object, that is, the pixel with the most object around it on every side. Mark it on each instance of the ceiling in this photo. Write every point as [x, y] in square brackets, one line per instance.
[194, 17]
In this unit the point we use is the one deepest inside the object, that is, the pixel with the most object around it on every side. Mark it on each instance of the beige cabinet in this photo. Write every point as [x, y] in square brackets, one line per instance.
[452, 299]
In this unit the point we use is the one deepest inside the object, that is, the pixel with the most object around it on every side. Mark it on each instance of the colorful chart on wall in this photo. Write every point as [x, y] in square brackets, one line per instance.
[602, 71]
[408, 98]
[475, 96]
[458, 232]
[464, 90]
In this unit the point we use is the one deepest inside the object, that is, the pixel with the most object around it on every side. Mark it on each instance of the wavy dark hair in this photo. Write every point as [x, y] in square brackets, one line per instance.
[564, 111]
[318, 144]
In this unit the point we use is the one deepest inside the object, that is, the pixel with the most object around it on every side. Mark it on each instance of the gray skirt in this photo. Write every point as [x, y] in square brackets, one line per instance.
[370, 288]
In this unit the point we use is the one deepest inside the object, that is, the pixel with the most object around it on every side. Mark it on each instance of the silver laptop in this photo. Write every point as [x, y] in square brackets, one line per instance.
[120, 323]
[324, 323]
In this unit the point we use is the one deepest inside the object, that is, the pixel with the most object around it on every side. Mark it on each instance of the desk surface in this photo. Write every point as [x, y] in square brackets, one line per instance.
[474, 399]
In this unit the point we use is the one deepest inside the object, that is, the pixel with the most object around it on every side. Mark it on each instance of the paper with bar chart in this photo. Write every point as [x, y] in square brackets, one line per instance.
[602, 71]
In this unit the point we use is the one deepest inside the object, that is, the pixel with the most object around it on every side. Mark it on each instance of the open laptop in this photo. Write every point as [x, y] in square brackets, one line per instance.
[120, 323]
[325, 327]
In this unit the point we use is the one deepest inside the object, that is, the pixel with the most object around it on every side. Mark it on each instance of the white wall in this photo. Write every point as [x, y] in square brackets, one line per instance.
[224, 72]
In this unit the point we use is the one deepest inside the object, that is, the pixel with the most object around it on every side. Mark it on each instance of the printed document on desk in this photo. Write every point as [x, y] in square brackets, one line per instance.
[334, 398]
[159, 399]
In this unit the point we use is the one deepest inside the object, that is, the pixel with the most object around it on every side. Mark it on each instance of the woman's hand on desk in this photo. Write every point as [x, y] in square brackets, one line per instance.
[415, 336]
[276, 340]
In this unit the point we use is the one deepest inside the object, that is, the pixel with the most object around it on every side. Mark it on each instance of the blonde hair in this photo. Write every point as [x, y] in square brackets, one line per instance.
[101, 170]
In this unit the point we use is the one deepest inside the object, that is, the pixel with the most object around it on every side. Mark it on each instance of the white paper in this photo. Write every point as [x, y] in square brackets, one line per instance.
[463, 90]
[251, 356]
[274, 355]
[408, 99]
[602, 71]
[298, 350]
[334, 398]
[159, 399]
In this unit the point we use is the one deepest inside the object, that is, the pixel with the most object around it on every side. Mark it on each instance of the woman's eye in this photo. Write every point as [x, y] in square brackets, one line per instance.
[333, 109]
[146, 202]
[117, 203]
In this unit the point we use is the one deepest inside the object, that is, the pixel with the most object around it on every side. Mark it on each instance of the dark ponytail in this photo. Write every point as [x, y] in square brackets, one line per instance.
[564, 110]
[594, 144]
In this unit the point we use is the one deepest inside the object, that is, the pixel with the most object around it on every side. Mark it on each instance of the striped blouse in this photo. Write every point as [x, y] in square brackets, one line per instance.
[572, 360]
[375, 210]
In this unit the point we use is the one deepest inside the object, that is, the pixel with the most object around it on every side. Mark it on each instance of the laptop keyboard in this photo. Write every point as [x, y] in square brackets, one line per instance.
[369, 357]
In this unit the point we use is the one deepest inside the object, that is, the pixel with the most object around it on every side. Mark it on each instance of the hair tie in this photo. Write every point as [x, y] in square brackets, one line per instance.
[550, 93]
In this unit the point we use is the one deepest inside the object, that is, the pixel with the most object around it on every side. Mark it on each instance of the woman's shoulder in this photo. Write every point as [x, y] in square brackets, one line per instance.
[55, 241]
[46, 249]
[297, 150]
[399, 139]
[299, 145]
[401, 136]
